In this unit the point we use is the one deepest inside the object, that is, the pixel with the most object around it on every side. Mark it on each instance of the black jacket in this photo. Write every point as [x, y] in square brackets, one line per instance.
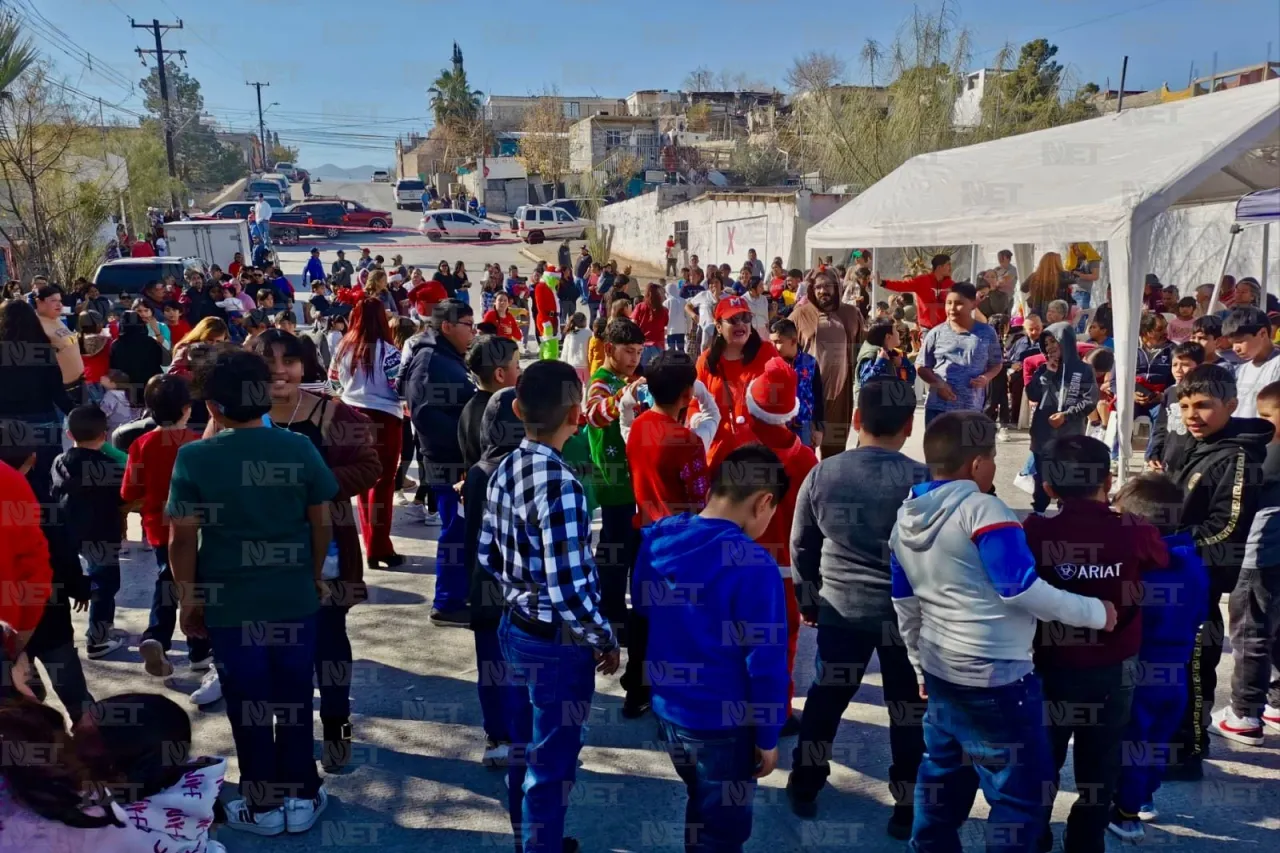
[469, 424]
[1072, 390]
[86, 488]
[583, 267]
[1170, 440]
[501, 432]
[565, 259]
[138, 355]
[69, 582]
[436, 384]
[1221, 479]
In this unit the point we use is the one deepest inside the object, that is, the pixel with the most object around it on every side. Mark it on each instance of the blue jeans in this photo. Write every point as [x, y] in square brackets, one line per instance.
[555, 681]
[164, 610]
[718, 768]
[333, 662]
[1154, 414]
[452, 580]
[265, 669]
[989, 736]
[675, 342]
[104, 583]
[498, 698]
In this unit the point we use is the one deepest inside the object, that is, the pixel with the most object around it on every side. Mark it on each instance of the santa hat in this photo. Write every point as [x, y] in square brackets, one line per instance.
[771, 397]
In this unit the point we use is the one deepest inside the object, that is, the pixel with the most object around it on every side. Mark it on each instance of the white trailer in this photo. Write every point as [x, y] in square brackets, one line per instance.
[215, 241]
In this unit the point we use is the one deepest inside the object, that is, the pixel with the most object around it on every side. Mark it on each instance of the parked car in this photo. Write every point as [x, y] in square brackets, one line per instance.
[131, 275]
[265, 188]
[279, 179]
[360, 216]
[409, 194]
[307, 219]
[228, 210]
[439, 225]
[289, 170]
[381, 176]
[536, 223]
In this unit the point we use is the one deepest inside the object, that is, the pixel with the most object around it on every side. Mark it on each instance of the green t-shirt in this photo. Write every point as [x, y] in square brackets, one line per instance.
[250, 489]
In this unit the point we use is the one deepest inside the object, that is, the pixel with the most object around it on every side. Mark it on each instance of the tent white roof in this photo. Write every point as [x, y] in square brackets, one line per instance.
[1261, 206]
[1092, 180]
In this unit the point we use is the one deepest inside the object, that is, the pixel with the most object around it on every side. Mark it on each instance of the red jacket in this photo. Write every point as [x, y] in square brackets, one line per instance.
[141, 249]
[797, 460]
[931, 297]
[25, 576]
[1091, 550]
[653, 322]
[668, 468]
[147, 474]
[546, 305]
[507, 325]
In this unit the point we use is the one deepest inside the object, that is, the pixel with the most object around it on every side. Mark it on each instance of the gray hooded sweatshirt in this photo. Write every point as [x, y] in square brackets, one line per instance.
[1071, 390]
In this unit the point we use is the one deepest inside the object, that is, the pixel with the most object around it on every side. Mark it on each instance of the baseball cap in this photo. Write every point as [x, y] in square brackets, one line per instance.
[732, 307]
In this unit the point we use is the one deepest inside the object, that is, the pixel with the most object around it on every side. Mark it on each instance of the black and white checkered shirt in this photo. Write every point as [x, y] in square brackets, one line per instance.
[536, 539]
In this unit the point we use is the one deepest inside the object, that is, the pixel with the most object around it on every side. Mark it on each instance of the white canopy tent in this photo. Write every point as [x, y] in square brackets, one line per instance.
[1102, 180]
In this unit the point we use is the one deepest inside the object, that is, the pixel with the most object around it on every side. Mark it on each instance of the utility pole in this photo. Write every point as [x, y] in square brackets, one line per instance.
[262, 127]
[158, 30]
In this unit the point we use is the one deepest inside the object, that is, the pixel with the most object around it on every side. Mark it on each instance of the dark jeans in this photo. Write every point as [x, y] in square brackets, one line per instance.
[1192, 738]
[615, 557]
[993, 737]
[554, 680]
[717, 767]
[1016, 387]
[1159, 698]
[843, 655]
[1039, 497]
[164, 610]
[498, 698]
[1254, 608]
[452, 580]
[568, 307]
[1152, 412]
[675, 343]
[104, 583]
[1093, 705]
[407, 449]
[333, 662]
[266, 670]
[66, 677]
[998, 400]
[671, 267]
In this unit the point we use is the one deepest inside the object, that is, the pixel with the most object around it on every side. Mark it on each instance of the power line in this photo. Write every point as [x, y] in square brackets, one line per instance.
[55, 38]
[158, 30]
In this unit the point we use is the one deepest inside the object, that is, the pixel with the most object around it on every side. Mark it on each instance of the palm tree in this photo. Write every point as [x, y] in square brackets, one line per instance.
[453, 99]
[16, 54]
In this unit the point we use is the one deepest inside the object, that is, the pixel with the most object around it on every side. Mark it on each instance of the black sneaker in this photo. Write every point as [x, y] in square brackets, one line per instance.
[335, 750]
[800, 806]
[451, 618]
[635, 706]
[900, 822]
[791, 727]
[100, 650]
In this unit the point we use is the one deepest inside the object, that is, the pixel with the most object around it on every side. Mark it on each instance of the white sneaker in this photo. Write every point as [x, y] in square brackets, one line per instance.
[212, 846]
[101, 650]
[1127, 829]
[1271, 718]
[201, 664]
[1245, 730]
[431, 519]
[1148, 812]
[496, 753]
[240, 818]
[415, 513]
[404, 499]
[154, 660]
[209, 691]
[301, 815]
[1002, 434]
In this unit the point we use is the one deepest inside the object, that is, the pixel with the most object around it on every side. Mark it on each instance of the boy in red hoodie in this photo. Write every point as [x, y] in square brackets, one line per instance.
[772, 403]
[1089, 676]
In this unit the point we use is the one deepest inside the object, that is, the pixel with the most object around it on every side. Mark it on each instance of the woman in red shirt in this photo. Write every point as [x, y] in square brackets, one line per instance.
[736, 356]
[500, 315]
[652, 317]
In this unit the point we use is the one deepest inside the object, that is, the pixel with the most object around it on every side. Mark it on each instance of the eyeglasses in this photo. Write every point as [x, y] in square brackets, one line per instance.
[739, 320]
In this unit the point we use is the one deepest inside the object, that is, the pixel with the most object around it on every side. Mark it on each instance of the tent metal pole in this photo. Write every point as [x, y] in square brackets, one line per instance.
[1266, 257]
[1226, 257]
[973, 264]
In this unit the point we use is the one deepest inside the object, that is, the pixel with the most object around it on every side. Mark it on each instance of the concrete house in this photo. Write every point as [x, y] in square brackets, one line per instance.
[597, 141]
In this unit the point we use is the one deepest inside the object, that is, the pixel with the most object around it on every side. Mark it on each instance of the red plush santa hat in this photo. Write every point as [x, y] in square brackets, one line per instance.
[771, 397]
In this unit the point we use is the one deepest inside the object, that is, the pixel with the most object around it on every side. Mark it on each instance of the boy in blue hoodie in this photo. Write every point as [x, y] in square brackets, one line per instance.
[965, 587]
[1173, 602]
[714, 596]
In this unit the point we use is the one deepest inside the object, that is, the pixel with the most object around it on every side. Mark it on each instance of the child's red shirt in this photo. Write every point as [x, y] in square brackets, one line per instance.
[147, 474]
[668, 468]
[507, 325]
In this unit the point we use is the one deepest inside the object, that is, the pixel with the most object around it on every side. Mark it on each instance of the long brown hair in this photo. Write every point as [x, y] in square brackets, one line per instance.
[376, 283]
[1046, 280]
[653, 295]
[206, 330]
[367, 325]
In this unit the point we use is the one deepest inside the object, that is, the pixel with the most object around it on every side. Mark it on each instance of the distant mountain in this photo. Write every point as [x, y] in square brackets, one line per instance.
[337, 173]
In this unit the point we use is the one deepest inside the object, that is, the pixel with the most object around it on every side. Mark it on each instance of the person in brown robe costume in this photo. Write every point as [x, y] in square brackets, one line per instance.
[832, 333]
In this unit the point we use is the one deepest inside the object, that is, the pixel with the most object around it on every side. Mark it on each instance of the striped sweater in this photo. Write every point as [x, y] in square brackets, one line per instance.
[608, 448]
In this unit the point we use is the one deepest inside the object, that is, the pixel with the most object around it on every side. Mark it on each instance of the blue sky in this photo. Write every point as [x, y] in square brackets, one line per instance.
[337, 66]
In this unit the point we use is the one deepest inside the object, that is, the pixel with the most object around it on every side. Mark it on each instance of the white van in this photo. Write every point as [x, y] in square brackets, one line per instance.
[409, 193]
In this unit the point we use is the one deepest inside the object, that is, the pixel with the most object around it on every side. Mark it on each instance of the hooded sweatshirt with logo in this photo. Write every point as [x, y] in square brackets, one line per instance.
[1070, 390]
[1091, 550]
[717, 655]
[965, 587]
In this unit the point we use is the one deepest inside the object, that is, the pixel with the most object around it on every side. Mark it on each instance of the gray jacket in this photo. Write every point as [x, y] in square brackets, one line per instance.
[845, 511]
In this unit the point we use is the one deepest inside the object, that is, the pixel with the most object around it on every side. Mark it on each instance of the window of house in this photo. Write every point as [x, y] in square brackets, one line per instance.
[571, 109]
[613, 138]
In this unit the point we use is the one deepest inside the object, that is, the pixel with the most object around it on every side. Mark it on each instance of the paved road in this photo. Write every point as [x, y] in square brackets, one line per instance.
[417, 783]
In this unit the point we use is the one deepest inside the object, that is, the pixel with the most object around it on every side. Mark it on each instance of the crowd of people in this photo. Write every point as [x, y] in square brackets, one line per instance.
[740, 440]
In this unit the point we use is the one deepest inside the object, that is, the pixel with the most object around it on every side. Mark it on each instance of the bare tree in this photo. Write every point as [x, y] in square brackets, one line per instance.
[544, 149]
[700, 79]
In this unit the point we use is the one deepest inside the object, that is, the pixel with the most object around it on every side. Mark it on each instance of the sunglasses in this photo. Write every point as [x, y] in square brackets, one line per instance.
[739, 320]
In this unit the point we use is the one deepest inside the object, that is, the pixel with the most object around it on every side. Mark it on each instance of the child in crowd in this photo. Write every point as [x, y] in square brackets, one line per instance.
[495, 363]
[265, 557]
[535, 506]
[595, 347]
[1169, 434]
[1102, 361]
[968, 598]
[677, 320]
[179, 328]
[1089, 550]
[843, 589]
[1099, 331]
[115, 402]
[1064, 392]
[575, 344]
[807, 424]
[771, 404]
[1249, 331]
[146, 479]
[615, 551]
[137, 747]
[881, 355]
[721, 727]
[86, 487]
[1207, 332]
[1172, 601]
[1220, 477]
[1180, 325]
[500, 315]
[1269, 410]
